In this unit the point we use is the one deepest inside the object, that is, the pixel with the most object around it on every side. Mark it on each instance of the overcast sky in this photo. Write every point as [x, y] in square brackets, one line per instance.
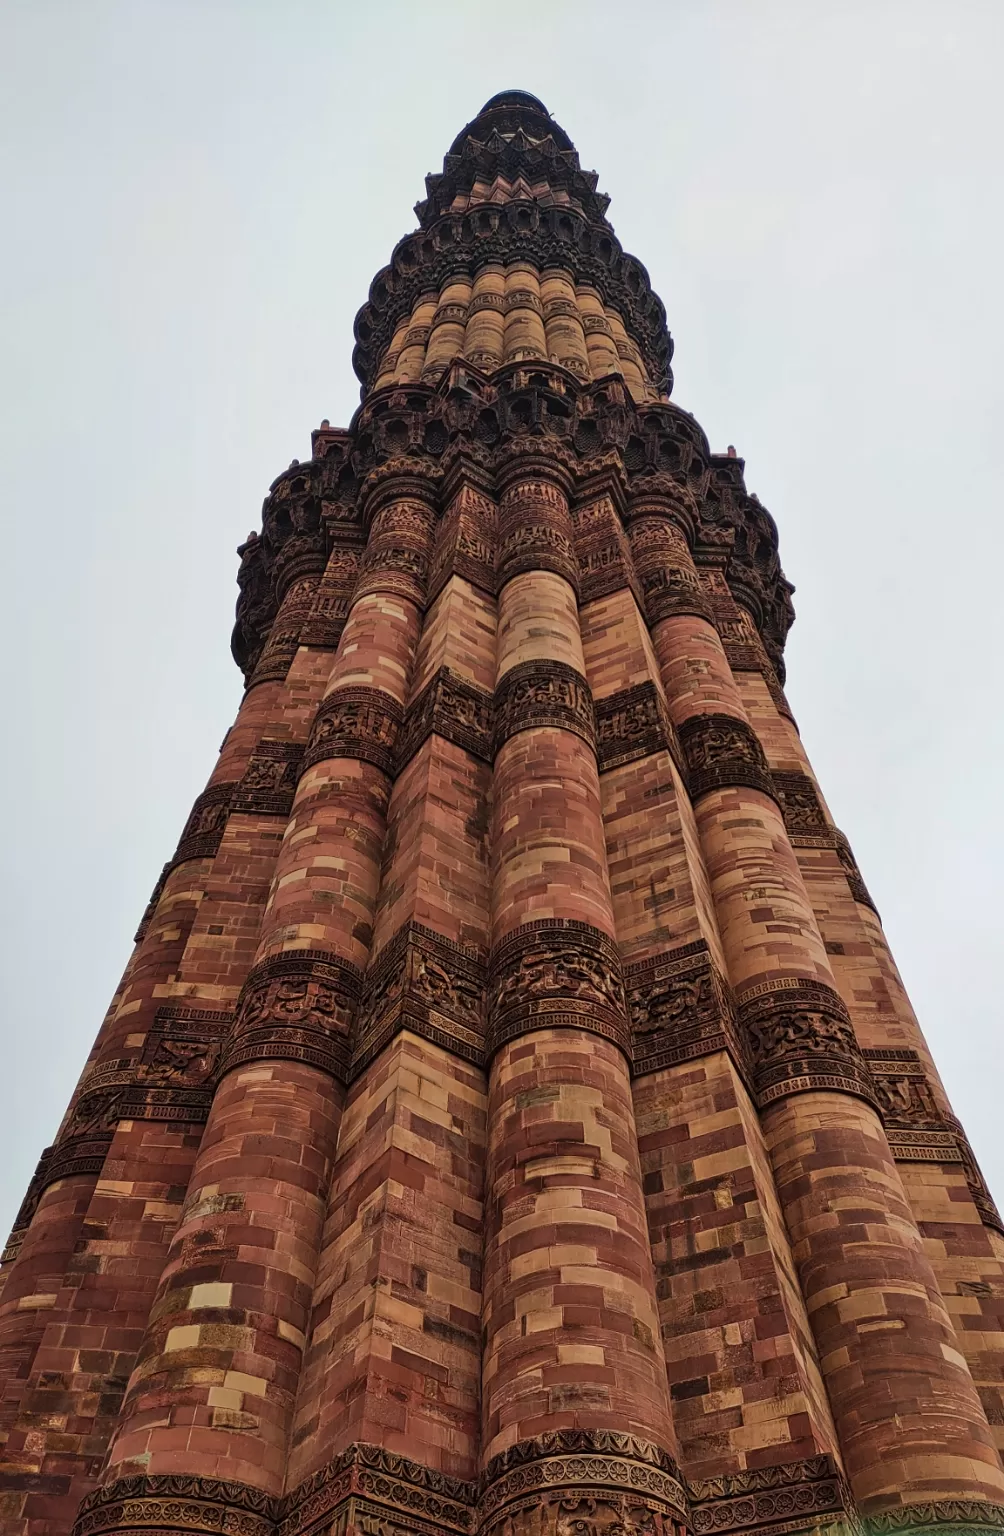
[195, 197]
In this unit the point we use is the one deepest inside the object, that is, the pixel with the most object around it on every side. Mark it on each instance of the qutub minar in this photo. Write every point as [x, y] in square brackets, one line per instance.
[511, 1120]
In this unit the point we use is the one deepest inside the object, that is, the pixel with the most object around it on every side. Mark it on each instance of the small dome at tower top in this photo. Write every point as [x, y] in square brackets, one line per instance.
[515, 99]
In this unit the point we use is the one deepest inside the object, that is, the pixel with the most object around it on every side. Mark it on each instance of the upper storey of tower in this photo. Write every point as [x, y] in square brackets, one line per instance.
[513, 259]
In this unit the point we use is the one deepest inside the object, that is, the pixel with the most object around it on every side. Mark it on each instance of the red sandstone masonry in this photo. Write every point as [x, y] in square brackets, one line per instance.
[860, 1262]
[571, 1326]
[744, 1379]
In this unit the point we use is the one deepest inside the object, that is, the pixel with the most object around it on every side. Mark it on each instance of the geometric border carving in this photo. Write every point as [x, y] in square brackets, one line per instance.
[556, 973]
[681, 1009]
[802, 1039]
[423, 982]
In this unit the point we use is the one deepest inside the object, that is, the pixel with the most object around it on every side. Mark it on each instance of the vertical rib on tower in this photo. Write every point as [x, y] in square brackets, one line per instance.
[511, 1120]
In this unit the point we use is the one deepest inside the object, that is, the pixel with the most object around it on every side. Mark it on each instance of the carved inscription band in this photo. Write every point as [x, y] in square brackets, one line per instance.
[681, 1009]
[591, 1482]
[356, 722]
[808, 827]
[422, 982]
[633, 723]
[553, 974]
[297, 1006]
[453, 708]
[571, 1480]
[543, 693]
[723, 751]
[801, 1037]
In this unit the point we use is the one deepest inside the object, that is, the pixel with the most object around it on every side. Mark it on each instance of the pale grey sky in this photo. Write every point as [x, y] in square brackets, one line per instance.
[196, 195]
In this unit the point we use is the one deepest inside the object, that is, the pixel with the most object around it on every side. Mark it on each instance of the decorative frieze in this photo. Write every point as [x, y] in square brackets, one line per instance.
[632, 724]
[542, 693]
[72, 1156]
[453, 708]
[804, 816]
[152, 904]
[557, 973]
[591, 1481]
[428, 984]
[206, 824]
[535, 533]
[356, 722]
[296, 1006]
[858, 888]
[801, 1038]
[176, 1502]
[681, 1009]
[269, 781]
[796, 1496]
[722, 751]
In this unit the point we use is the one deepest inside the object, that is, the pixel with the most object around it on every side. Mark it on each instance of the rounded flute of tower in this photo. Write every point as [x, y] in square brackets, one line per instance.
[571, 1327]
[910, 1423]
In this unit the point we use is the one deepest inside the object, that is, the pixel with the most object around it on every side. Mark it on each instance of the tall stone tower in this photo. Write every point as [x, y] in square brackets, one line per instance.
[511, 1120]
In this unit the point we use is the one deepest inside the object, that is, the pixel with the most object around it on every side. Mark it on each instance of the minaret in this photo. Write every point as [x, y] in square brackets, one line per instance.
[511, 1120]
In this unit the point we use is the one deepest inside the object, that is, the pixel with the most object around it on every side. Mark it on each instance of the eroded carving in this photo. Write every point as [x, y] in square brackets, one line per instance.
[722, 751]
[557, 973]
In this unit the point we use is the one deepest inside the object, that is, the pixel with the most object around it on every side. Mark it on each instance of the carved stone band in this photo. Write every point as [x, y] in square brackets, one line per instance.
[801, 1038]
[453, 708]
[942, 1515]
[681, 1009]
[593, 1480]
[296, 1006]
[723, 751]
[858, 888]
[804, 817]
[556, 974]
[178, 1503]
[206, 824]
[269, 781]
[356, 722]
[76, 1155]
[542, 693]
[632, 724]
[768, 1501]
[423, 982]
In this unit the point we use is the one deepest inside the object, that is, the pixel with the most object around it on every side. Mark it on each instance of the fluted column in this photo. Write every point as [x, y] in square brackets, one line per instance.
[218, 1372]
[910, 1424]
[571, 1327]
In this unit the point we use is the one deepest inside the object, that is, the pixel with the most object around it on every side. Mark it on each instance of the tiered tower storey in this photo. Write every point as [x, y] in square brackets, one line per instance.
[511, 1120]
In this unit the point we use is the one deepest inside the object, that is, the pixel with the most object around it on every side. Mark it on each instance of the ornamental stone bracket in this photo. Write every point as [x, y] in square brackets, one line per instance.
[801, 1038]
[556, 973]
[423, 982]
